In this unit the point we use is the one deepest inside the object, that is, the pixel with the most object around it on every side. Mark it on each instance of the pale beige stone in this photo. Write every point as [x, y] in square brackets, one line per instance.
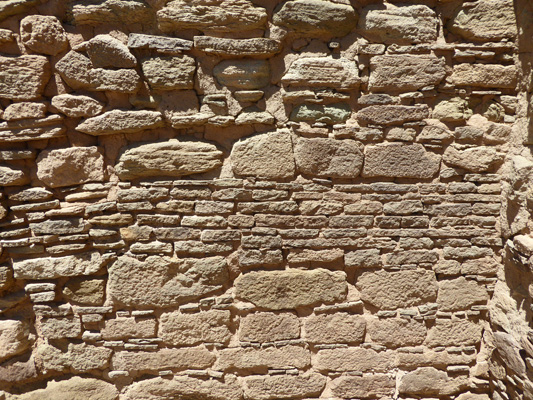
[114, 80]
[74, 68]
[24, 110]
[391, 290]
[163, 281]
[371, 386]
[70, 166]
[510, 352]
[359, 359]
[454, 332]
[23, 77]
[260, 360]
[172, 158]
[460, 294]
[428, 381]
[13, 7]
[453, 110]
[473, 396]
[485, 75]
[329, 158]
[13, 338]
[182, 358]
[278, 290]
[75, 388]
[15, 371]
[76, 105]
[170, 72]
[13, 176]
[105, 51]
[475, 159]
[111, 12]
[253, 116]
[256, 47]
[283, 386]
[86, 291]
[392, 115]
[79, 358]
[43, 34]
[316, 18]
[268, 327]
[315, 257]
[396, 332]
[56, 267]
[161, 44]
[335, 328]
[245, 74]
[328, 72]
[60, 328]
[179, 329]
[118, 121]
[128, 327]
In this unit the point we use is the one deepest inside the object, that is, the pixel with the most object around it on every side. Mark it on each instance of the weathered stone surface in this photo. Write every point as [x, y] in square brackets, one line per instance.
[172, 158]
[254, 117]
[118, 121]
[180, 329]
[13, 177]
[371, 386]
[71, 166]
[75, 388]
[329, 113]
[430, 381]
[129, 327]
[248, 74]
[363, 258]
[316, 18]
[397, 73]
[76, 105]
[13, 338]
[161, 44]
[43, 34]
[404, 24]
[267, 155]
[55, 267]
[259, 360]
[510, 352]
[23, 77]
[13, 7]
[353, 359]
[267, 327]
[78, 358]
[64, 226]
[106, 51]
[278, 290]
[256, 47]
[211, 16]
[169, 73]
[24, 110]
[86, 291]
[396, 332]
[401, 161]
[328, 72]
[460, 294]
[453, 110]
[454, 332]
[329, 158]
[475, 159]
[32, 129]
[485, 20]
[6, 277]
[485, 75]
[184, 358]
[14, 371]
[335, 328]
[114, 80]
[60, 328]
[391, 290]
[283, 386]
[163, 281]
[184, 387]
[392, 115]
[111, 12]
[74, 68]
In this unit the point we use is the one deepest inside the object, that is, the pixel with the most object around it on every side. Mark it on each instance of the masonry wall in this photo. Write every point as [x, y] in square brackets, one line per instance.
[236, 199]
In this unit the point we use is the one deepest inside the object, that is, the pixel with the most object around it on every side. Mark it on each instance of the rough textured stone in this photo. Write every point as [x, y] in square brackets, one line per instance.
[118, 121]
[475, 159]
[161, 44]
[267, 155]
[392, 115]
[353, 359]
[428, 381]
[23, 77]
[129, 327]
[247, 74]
[13, 177]
[105, 51]
[267, 327]
[111, 12]
[400, 160]
[172, 158]
[335, 328]
[71, 166]
[256, 47]
[404, 24]
[13, 7]
[75, 388]
[460, 294]
[163, 281]
[169, 73]
[73, 105]
[43, 34]
[86, 291]
[485, 20]
[329, 158]
[14, 371]
[283, 386]
[278, 290]
[55, 267]
[510, 352]
[396, 332]
[25, 110]
[375, 385]
[315, 18]
[453, 110]
[454, 332]
[259, 360]
[78, 358]
[74, 68]
[398, 73]
[184, 358]
[61, 328]
[13, 338]
[328, 72]
[180, 329]
[329, 114]
[391, 290]
[485, 75]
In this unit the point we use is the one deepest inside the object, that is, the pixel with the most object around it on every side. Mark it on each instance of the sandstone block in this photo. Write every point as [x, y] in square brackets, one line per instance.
[76, 105]
[172, 158]
[268, 155]
[75, 388]
[74, 68]
[161, 44]
[78, 358]
[329, 113]
[454, 332]
[316, 18]
[180, 329]
[391, 290]
[105, 51]
[392, 115]
[23, 77]
[13, 338]
[86, 291]
[114, 80]
[118, 121]
[353, 359]
[510, 352]
[396, 332]
[43, 34]
[14, 371]
[61, 328]
[335, 328]
[24, 110]
[363, 258]
[56, 267]
[269, 327]
[13, 177]
[169, 73]
[371, 386]
[397, 73]
[128, 327]
[485, 75]
[453, 110]
[260, 360]
[183, 358]
[13, 7]
[70, 166]
[426, 381]
[59, 226]
[460, 294]
[405, 24]
[163, 281]
[247, 74]
[401, 161]
[283, 386]
[326, 72]
[256, 47]
[475, 159]
[111, 12]
[278, 290]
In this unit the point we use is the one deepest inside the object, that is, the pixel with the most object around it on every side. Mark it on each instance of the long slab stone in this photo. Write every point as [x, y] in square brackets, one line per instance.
[326, 72]
[55, 267]
[256, 47]
[118, 121]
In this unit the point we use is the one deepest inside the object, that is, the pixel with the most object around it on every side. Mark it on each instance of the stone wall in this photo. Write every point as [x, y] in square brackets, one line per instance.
[259, 199]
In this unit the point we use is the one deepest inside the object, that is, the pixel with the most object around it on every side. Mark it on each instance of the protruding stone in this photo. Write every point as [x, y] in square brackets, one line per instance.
[453, 110]
[118, 121]
[405, 24]
[77, 105]
[13, 177]
[266, 155]
[397, 73]
[396, 332]
[371, 386]
[74, 68]
[43, 34]
[105, 51]
[75, 388]
[56, 267]
[13, 338]
[402, 289]
[111, 12]
[475, 159]
[180, 329]
[327, 72]
[316, 18]
[256, 47]
[70, 166]
[329, 158]
[164, 281]
[181, 358]
[172, 158]
[278, 290]
[510, 351]
[24, 110]
[247, 74]
[485, 75]
[161, 44]
[23, 77]
[267, 327]
[169, 73]
[260, 387]
[454, 332]
[392, 115]
[401, 161]
[348, 328]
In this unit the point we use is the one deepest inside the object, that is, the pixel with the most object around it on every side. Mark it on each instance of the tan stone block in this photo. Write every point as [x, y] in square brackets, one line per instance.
[372, 386]
[396, 332]
[335, 328]
[43, 34]
[454, 332]
[60, 328]
[78, 358]
[129, 327]
[183, 358]
[354, 359]
[283, 386]
[428, 381]
[13, 338]
[260, 360]
[326, 72]
[75, 388]
[485, 75]
[460, 294]
[23, 77]
[180, 329]
[269, 327]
